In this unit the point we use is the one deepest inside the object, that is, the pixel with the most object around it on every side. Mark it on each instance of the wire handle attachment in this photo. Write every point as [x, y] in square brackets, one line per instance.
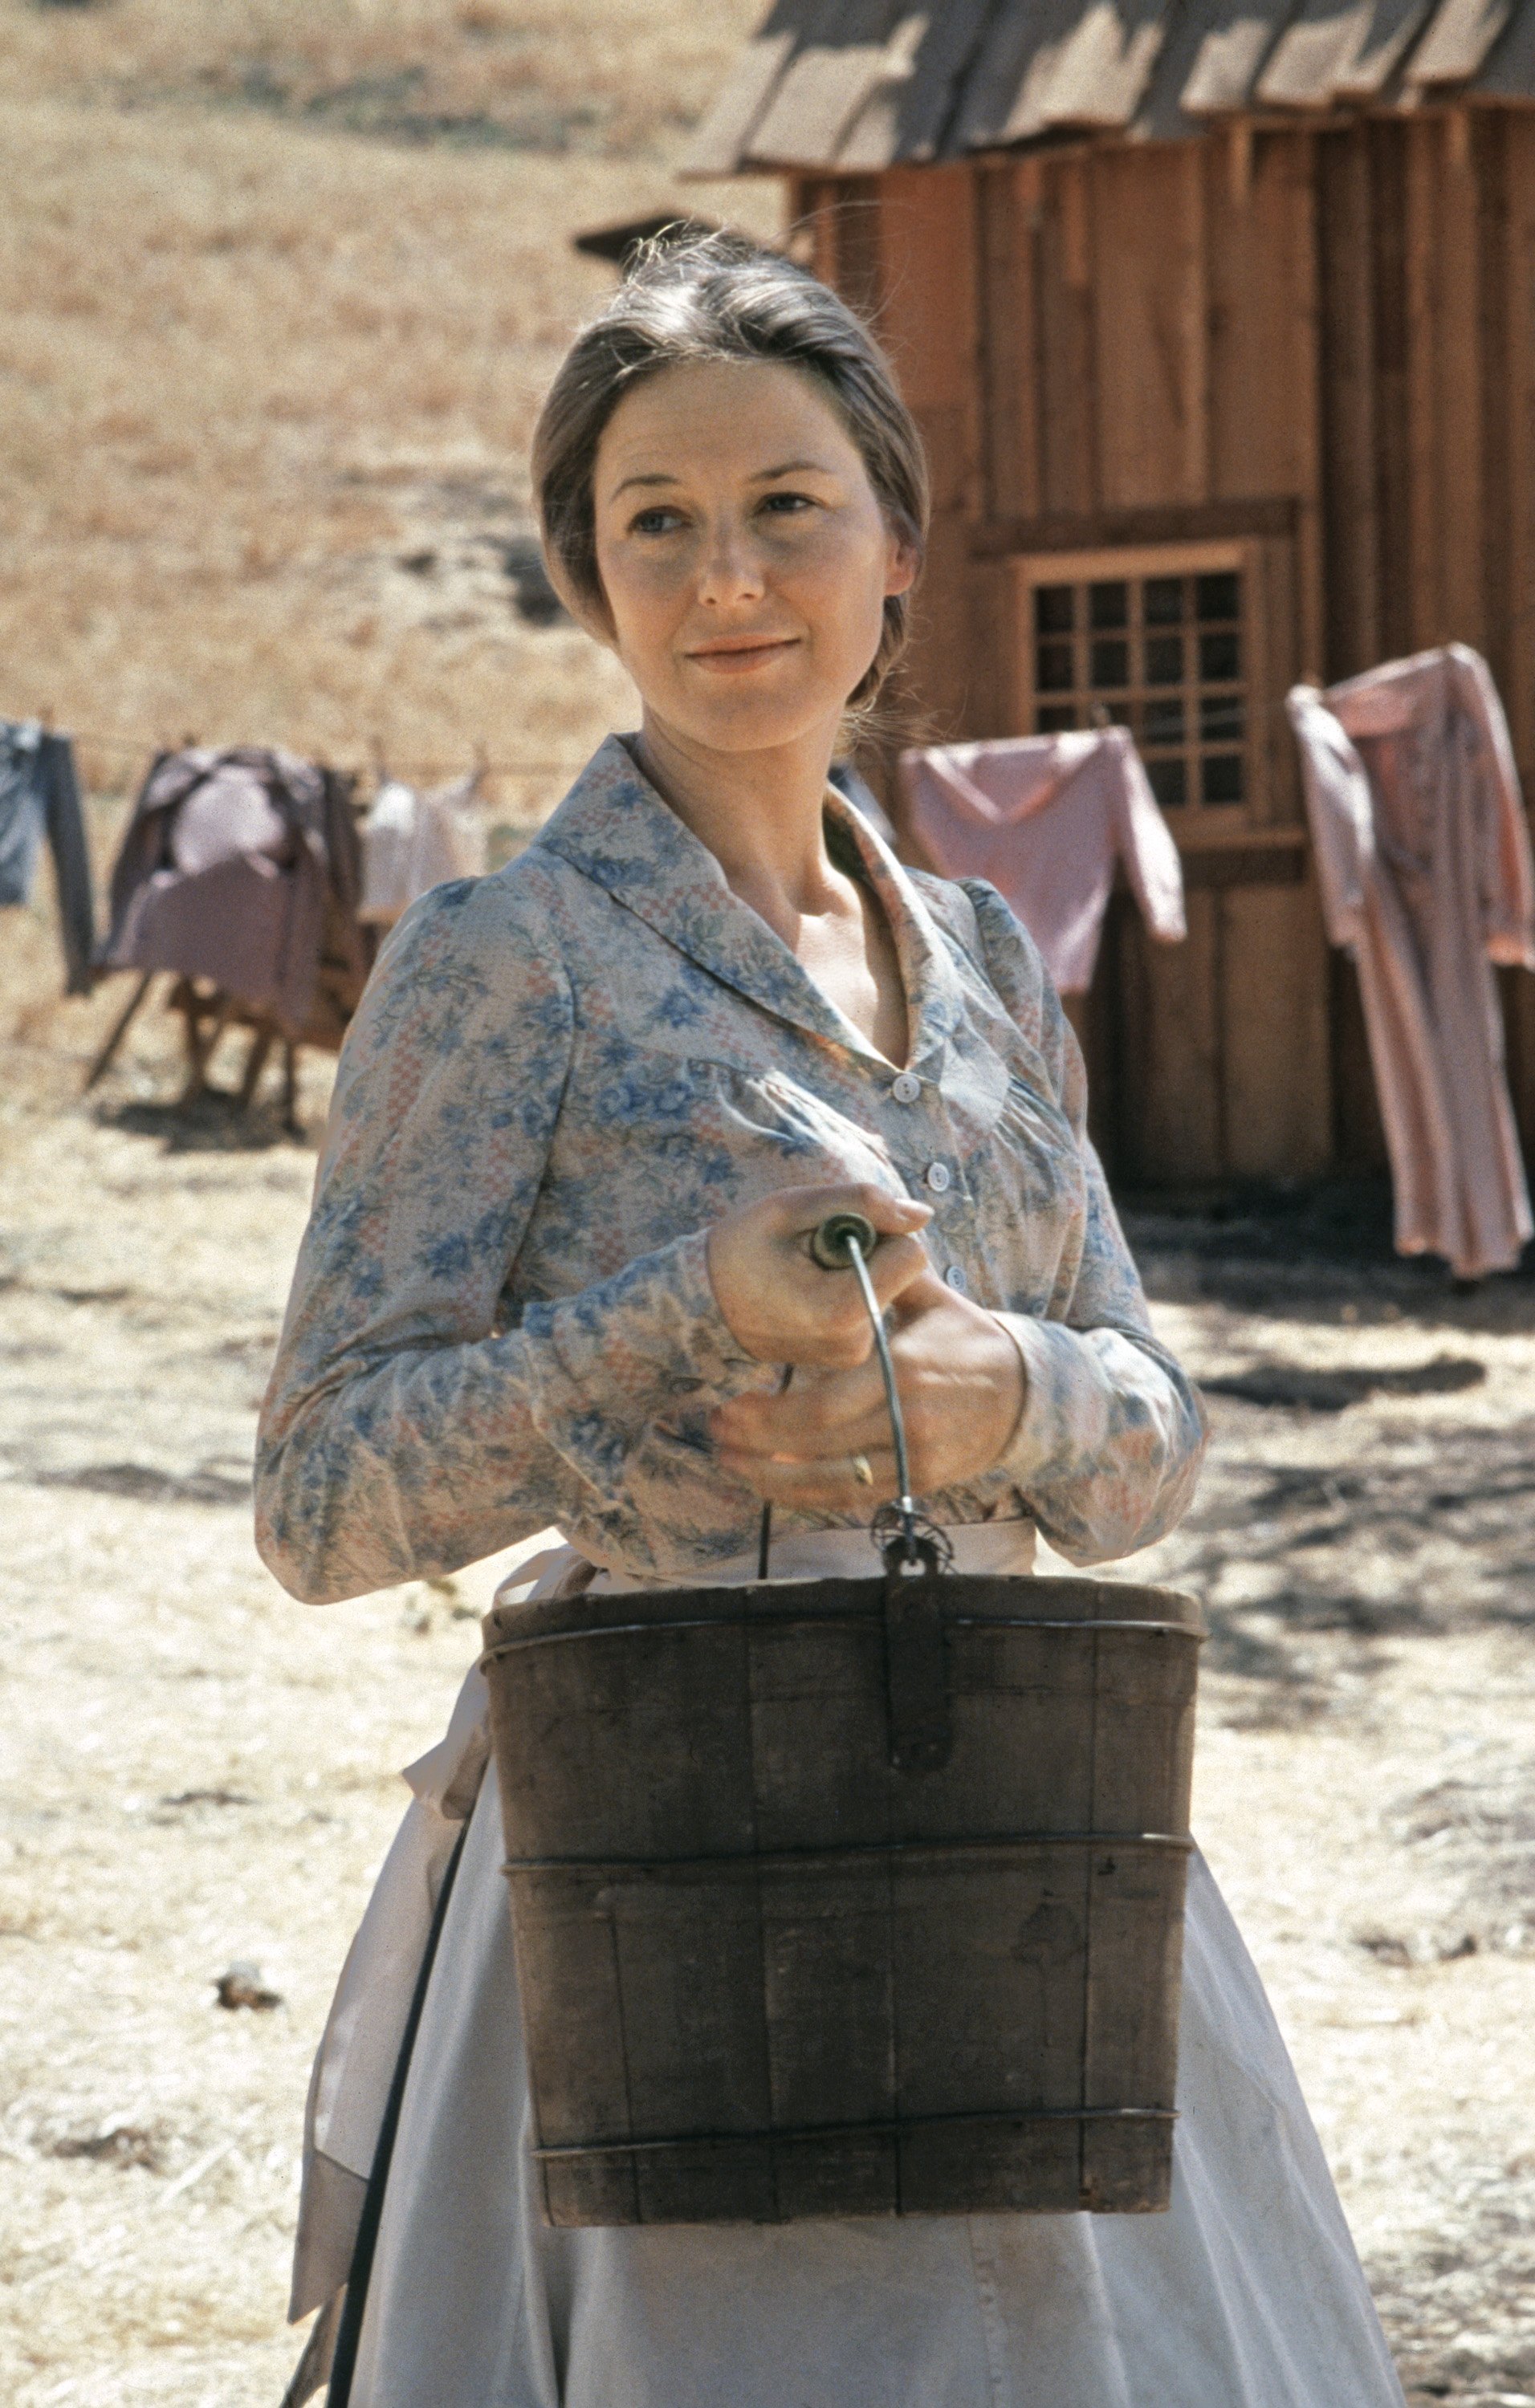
[916, 1690]
[845, 1241]
[909, 1543]
[833, 1239]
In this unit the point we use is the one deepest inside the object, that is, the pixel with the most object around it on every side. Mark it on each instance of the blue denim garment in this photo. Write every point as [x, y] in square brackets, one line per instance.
[40, 796]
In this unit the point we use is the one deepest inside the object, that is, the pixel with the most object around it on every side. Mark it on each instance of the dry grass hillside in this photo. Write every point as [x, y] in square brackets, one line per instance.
[280, 284]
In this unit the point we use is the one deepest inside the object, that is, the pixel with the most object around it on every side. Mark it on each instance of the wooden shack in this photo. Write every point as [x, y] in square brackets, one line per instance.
[1219, 317]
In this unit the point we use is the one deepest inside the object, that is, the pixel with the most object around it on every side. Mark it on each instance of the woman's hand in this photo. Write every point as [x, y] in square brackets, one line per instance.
[962, 1387]
[781, 1305]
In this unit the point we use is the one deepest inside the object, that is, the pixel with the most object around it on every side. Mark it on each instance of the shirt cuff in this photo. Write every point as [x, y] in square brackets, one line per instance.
[1051, 1427]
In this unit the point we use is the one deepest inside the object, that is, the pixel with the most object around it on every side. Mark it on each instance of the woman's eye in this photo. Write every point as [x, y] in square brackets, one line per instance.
[788, 505]
[659, 521]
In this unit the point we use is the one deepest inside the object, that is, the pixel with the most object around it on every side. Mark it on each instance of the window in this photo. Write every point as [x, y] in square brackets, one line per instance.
[1157, 641]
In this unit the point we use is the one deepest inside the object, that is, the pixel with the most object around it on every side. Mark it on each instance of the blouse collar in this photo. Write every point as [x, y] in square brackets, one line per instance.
[616, 829]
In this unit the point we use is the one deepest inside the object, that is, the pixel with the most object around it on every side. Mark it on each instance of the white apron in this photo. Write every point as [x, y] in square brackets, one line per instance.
[1247, 2294]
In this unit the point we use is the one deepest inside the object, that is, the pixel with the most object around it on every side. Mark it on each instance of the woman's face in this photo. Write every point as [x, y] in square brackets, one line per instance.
[744, 556]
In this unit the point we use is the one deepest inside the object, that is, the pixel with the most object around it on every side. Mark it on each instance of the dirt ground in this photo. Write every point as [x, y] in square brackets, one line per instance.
[200, 1775]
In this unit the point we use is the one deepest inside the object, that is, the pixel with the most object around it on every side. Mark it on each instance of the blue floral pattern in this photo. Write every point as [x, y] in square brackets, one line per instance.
[559, 1077]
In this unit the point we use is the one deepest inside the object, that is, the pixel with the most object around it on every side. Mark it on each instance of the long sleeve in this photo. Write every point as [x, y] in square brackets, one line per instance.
[405, 1432]
[1109, 1445]
[1338, 808]
[1146, 843]
[1506, 874]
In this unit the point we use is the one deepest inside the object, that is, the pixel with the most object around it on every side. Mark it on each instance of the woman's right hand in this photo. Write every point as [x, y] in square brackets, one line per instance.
[781, 1307]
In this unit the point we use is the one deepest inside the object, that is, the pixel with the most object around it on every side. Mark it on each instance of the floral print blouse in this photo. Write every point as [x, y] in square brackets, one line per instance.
[559, 1077]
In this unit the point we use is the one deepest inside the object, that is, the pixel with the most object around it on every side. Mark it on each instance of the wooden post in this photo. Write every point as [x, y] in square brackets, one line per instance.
[1311, 533]
[1460, 434]
[1392, 380]
[1496, 359]
[116, 1034]
[1195, 314]
[1348, 401]
[1518, 403]
[1420, 211]
[200, 1049]
[262, 1041]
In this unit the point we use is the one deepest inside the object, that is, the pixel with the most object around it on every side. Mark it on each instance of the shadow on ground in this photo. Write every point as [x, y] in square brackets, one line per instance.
[1321, 1251]
[214, 1124]
[150, 1486]
[1312, 1573]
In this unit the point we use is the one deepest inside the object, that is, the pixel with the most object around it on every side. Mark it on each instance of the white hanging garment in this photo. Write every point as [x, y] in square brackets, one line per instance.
[413, 842]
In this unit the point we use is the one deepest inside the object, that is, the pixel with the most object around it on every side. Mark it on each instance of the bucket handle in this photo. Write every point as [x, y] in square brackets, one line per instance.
[915, 1551]
[843, 1241]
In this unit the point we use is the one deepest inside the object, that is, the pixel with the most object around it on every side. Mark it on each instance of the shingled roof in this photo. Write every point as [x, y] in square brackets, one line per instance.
[845, 86]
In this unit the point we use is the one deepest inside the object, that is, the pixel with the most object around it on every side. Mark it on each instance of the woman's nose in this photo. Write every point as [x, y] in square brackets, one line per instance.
[732, 567]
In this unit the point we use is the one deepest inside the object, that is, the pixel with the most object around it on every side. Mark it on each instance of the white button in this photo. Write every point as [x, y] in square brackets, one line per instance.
[936, 1176]
[905, 1088]
[955, 1277]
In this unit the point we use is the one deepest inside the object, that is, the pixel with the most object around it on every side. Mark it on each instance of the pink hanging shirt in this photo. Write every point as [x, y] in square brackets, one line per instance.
[1046, 819]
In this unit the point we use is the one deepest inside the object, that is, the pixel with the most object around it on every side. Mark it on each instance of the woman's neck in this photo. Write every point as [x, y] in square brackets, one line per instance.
[763, 817]
[759, 813]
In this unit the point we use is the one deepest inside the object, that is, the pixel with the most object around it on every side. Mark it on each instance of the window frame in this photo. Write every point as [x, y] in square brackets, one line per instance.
[1195, 824]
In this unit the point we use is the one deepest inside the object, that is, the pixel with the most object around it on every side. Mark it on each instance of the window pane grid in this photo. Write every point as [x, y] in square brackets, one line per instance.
[1163, 655]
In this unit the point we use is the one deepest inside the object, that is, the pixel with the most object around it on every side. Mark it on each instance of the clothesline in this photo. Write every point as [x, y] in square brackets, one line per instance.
[137, 747]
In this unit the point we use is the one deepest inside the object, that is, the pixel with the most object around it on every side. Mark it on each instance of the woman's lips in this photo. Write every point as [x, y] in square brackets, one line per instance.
[731, 660]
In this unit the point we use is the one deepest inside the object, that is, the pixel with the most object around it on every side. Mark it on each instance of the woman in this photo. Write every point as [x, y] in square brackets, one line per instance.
[585, 1119]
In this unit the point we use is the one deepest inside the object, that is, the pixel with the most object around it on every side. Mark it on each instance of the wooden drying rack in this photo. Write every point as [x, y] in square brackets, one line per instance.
[208, 1011]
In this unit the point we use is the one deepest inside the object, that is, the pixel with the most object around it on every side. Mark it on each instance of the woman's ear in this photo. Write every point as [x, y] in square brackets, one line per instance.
[903, 561]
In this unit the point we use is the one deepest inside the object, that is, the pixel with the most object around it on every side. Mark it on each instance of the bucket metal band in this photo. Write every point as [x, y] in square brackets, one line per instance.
[946, 1853]
[891, 2127]
[826, 1617]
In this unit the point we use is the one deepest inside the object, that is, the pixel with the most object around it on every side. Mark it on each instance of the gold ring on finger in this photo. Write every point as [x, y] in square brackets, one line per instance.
[863, 1472]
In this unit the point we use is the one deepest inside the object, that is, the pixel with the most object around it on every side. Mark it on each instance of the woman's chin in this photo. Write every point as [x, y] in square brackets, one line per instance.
[738, 721]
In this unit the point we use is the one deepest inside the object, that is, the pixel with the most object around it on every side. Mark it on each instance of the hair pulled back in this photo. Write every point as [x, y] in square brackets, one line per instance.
[719, 296]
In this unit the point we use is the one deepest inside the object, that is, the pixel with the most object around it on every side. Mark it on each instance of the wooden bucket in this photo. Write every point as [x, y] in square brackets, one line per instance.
[848, 1897]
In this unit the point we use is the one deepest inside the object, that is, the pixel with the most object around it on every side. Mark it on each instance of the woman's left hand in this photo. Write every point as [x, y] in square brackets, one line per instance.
[961, 1384]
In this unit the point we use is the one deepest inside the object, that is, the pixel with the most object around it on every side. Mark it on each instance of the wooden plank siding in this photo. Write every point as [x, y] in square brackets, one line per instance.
[1321, 340]
[1007, 200]
[1150, 326]
[930, 224]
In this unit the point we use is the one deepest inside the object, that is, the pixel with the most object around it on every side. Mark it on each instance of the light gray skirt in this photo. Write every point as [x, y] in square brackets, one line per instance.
[1247, 2294]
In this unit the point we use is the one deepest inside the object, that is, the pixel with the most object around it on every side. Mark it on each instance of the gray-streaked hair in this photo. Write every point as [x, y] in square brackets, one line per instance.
[720, 297]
